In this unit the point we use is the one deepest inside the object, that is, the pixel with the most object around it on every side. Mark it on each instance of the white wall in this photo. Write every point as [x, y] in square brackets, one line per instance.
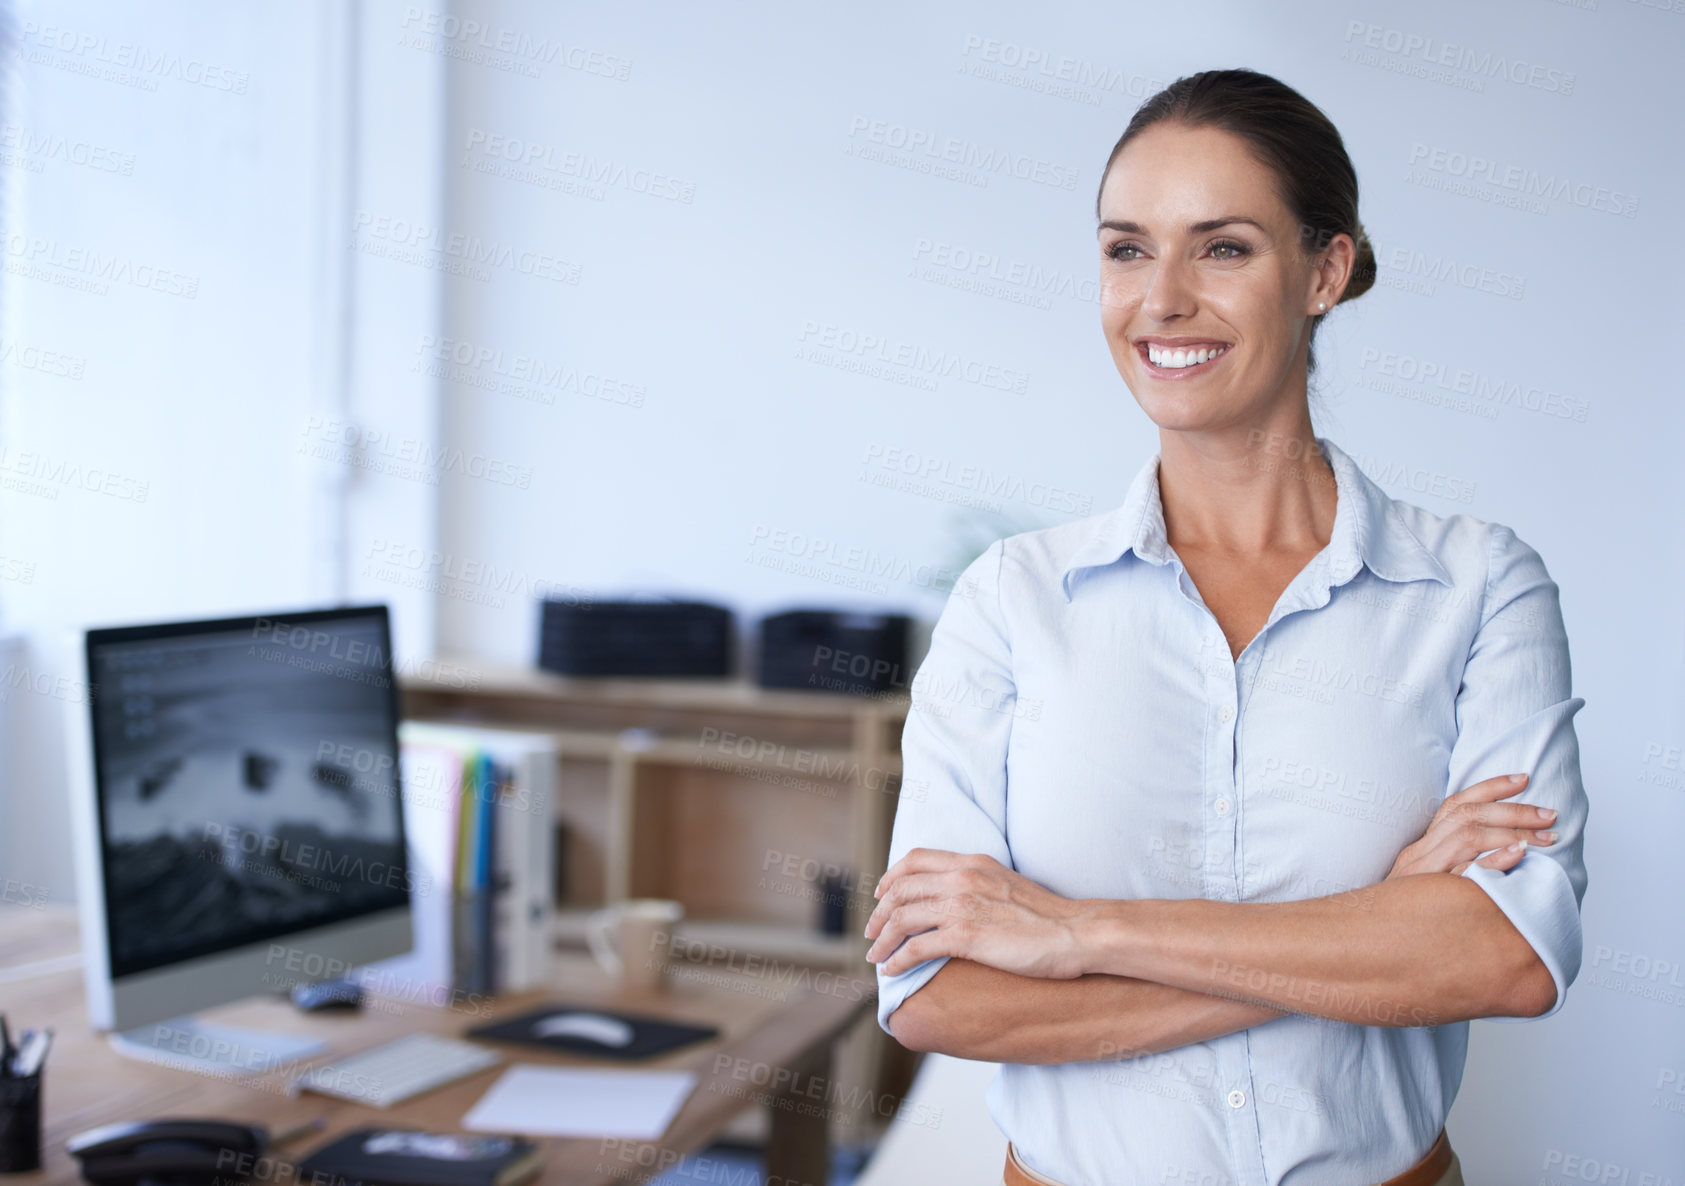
[183, 306]
[154, 248]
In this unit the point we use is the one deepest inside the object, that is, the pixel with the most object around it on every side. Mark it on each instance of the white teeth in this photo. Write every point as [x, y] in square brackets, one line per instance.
[1177, 359]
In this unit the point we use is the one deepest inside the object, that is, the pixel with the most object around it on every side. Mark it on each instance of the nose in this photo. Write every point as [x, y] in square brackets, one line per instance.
[1171, 291]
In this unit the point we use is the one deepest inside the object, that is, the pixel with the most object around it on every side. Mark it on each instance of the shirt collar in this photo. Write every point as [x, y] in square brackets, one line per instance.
[1368, 530]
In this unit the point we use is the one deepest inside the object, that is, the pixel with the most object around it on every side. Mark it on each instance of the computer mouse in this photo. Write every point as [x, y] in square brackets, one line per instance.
[593, 1027]
[328, 994]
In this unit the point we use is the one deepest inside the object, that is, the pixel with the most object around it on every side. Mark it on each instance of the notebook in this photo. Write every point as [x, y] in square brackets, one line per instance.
[406, 1157]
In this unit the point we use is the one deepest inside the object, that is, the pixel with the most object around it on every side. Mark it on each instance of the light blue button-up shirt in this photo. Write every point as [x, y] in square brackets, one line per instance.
[1079, 717]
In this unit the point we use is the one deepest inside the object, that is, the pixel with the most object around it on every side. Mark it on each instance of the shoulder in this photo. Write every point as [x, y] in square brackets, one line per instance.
[1020, 572]
[1485, 559]
[1404, 540]
[1033, 562]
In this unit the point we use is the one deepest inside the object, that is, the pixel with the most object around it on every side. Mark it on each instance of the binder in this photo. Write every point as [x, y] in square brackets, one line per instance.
[479, 810]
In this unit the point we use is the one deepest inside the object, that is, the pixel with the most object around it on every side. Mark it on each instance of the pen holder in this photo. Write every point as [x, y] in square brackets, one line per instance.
[20, 1123]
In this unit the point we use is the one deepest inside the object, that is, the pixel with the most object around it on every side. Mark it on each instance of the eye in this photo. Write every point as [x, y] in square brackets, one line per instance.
[1233, 249]
[1116, 250]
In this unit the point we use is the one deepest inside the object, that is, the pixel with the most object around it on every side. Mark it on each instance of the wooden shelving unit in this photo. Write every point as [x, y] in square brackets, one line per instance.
[730, 798]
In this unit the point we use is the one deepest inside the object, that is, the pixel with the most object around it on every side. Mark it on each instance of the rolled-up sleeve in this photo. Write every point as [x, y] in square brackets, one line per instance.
[1515, 714]
[953, 750]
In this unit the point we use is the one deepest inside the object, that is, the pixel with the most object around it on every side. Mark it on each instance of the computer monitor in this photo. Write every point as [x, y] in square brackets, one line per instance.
[240, 819]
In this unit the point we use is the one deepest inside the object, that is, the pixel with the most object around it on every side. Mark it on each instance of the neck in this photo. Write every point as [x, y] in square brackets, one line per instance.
[1246, 491]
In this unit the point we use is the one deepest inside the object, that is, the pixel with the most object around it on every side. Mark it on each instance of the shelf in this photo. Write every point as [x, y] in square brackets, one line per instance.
[768, 940]
[776, 940]
[832, 763]
[596, 744]
[828, 762]
[471, 677]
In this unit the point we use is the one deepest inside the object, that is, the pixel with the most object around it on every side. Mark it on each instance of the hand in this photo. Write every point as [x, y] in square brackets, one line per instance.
[1472, 821]
[973, 907]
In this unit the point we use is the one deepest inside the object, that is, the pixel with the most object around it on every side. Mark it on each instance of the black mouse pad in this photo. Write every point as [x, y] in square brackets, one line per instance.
[650, 1035]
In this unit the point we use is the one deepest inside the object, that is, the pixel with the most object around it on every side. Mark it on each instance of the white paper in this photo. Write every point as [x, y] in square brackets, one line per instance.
[581, 1102]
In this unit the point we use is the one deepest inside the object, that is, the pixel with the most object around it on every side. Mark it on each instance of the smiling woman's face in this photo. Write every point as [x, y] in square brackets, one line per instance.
[1199, 253]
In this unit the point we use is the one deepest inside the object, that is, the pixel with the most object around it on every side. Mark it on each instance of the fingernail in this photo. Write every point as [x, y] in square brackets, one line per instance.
[1518, 778]
[1548, 837]
[1548, 812]
[1518, 846]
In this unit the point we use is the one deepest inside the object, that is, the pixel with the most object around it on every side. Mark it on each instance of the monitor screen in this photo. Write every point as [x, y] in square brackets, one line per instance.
[247, 778]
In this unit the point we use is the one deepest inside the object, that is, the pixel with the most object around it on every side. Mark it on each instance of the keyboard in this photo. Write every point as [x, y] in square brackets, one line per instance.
[397, 1071]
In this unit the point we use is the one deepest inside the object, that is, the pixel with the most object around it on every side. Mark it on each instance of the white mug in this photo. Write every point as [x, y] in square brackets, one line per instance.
[638, 960]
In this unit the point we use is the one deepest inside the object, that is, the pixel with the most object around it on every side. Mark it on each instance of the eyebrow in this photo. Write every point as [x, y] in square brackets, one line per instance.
[1198, 228]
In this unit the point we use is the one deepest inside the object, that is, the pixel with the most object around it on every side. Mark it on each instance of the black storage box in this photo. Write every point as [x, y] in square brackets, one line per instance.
[825, 651]
[687, 638]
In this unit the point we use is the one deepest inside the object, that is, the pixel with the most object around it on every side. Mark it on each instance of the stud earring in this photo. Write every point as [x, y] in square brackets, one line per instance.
[1322, 306]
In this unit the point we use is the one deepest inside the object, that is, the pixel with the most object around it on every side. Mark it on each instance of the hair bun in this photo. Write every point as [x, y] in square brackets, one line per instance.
[1363, 268]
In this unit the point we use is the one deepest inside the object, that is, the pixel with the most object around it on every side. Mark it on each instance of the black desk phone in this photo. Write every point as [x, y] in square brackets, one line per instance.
[176, 1152]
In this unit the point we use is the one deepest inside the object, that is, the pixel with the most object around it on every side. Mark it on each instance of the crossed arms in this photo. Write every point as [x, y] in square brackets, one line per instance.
[1133, 978]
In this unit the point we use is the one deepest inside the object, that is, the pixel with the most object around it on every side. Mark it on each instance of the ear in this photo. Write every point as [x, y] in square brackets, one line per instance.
[1331, 271]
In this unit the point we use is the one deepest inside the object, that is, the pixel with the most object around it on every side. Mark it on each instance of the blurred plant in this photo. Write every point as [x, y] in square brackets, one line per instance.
[971, 530]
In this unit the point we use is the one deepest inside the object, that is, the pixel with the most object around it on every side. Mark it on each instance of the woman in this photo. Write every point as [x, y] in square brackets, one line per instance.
[1186, 863]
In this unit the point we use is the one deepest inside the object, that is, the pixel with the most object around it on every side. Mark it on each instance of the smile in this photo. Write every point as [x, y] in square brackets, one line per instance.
[1181, 360]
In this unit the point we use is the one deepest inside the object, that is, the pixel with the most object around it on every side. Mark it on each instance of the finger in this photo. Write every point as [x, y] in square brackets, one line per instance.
[1456, 846]
[919, 948]
[1505, 858]
[880, 915]
[944, 886]
[1511, 815]
[1504, 837]
[1456, 815]
[919, 887]
[964, 911]
[1466, 845]
[902, 923]
[919, 860]
[908, 887]
[1491, 789]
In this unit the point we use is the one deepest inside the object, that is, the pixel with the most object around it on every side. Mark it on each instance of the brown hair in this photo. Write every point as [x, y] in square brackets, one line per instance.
[1289, 135]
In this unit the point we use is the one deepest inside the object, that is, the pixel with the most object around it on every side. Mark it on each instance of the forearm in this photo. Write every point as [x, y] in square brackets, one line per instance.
[970, 1010]
[1421, 950]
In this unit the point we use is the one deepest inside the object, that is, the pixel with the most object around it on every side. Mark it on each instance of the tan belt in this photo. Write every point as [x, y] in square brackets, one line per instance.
[1425, 1172]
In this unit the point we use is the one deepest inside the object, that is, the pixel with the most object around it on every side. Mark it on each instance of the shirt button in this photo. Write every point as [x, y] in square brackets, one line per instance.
[1222, 806]
[1225, 714]
[1237, 1099]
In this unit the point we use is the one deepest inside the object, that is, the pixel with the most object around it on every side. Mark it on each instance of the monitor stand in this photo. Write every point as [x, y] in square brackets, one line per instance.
[223, 1051]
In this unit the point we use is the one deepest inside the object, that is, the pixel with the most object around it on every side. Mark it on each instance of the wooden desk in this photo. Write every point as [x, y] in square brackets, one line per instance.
[774, 1051]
